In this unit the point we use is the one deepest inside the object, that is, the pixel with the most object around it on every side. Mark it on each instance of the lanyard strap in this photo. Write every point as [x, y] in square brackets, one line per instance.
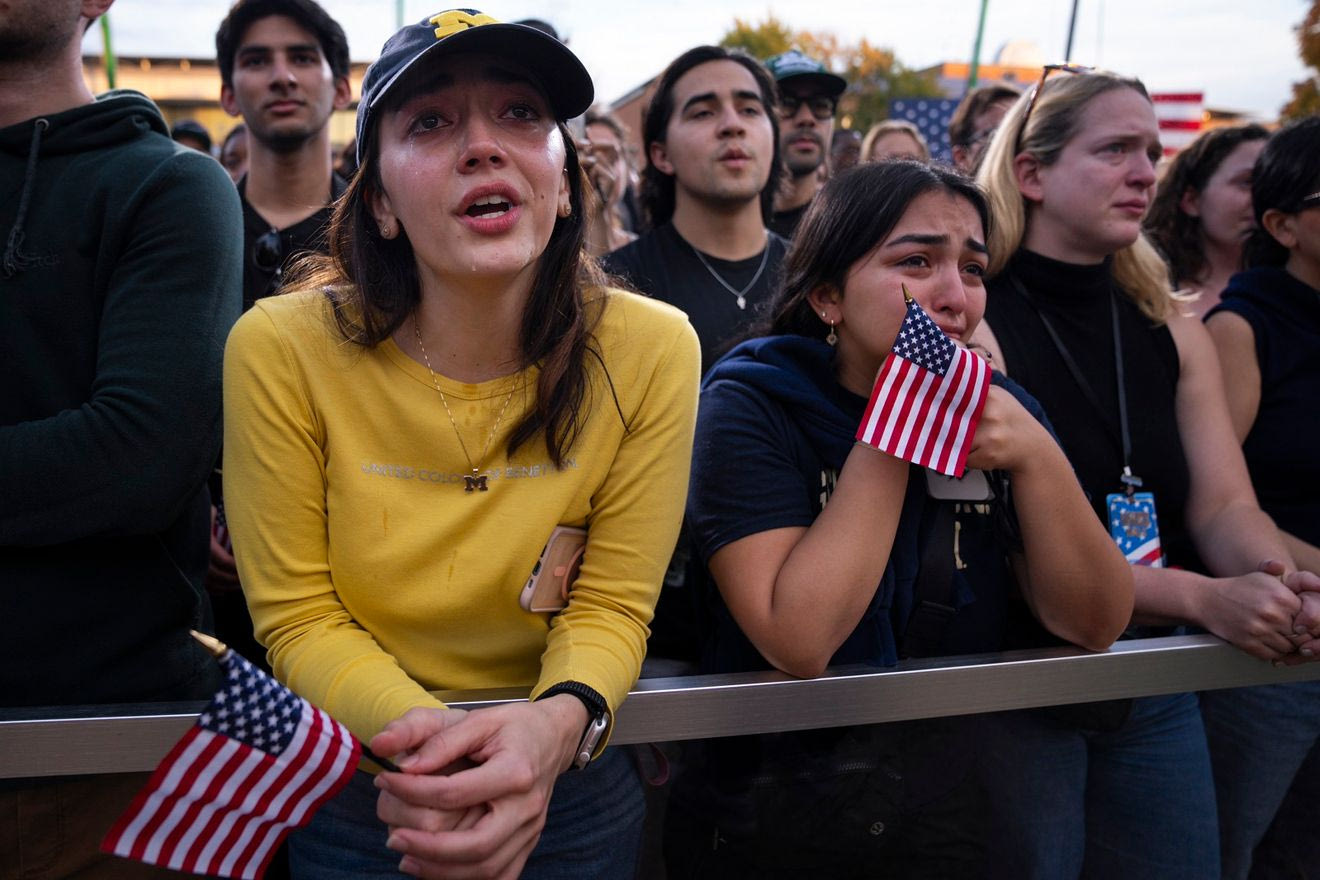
[1129, 480]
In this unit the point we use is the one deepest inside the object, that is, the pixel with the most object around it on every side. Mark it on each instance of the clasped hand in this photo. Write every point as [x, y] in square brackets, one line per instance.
[472, 796]
[1305, 632]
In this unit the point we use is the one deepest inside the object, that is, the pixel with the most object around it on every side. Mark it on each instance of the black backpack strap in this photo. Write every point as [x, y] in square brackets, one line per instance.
[932, 605]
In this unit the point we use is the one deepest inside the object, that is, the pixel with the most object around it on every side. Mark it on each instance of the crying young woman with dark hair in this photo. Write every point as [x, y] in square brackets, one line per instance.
[452, 392]
[823, 551]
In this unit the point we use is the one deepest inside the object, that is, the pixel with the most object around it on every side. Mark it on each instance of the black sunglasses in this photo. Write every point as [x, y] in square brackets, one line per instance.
[820, 106]
[1035, 93]
[268, 252]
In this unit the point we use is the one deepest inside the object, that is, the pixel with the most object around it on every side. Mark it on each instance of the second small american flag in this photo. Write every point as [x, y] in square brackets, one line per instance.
[928, 397]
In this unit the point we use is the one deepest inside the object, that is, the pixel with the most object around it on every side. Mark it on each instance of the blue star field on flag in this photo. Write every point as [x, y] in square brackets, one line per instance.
[931, 117]
[253, 708]
[922, 342]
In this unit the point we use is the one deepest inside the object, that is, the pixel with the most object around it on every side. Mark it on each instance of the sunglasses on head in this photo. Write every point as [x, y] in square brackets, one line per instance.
[1036, 89]
[820, 106]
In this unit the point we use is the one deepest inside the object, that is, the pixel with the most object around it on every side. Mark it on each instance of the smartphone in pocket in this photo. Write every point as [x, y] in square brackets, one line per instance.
[555, 572]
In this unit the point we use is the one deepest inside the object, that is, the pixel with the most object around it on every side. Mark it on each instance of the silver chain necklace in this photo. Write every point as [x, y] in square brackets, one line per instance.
[740, 295]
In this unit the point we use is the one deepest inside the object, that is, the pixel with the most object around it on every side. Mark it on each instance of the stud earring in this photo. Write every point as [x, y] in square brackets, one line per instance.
[566, 211]
[387, 230]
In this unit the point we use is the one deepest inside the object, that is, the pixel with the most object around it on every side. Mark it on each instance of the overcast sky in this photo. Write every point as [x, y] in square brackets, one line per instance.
[1241, 53]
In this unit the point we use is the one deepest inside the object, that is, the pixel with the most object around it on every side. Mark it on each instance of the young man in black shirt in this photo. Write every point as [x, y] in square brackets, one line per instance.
[808, 97]
[712, 143]
[284, 69]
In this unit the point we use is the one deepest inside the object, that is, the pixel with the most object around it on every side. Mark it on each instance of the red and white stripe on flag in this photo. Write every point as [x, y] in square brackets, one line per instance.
[1180, 116]
[927, 399]
[258, 763]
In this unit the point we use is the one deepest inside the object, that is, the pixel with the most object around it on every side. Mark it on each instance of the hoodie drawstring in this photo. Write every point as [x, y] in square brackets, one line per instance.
[14, 260]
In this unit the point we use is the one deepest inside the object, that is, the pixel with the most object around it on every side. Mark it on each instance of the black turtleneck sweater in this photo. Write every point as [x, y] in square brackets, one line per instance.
[1076, 300]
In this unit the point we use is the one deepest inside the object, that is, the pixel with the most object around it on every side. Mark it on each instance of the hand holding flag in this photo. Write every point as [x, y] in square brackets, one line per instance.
[928, 397]
[258, 763]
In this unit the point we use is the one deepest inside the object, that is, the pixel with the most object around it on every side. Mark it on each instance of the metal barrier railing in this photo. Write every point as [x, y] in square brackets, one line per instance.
[119, 739]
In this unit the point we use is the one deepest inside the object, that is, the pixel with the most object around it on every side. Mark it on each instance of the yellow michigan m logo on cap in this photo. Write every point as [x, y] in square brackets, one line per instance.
[456, 20]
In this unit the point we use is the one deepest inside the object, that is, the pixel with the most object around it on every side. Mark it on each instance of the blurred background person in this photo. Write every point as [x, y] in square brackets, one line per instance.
[974, 122]
[894, 139]
[1267, 332]
[234, 152]
[1201, 216]
[605, 159]
[192, 134]
[845, 149]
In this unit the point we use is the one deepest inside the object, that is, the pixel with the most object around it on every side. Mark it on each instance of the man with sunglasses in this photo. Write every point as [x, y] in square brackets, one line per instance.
[808, 97]
[284, 70]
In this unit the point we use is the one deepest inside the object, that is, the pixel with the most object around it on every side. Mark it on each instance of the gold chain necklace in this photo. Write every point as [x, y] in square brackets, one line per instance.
[473, 481]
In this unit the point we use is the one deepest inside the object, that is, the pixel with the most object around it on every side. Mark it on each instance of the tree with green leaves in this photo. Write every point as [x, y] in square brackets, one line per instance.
[874, 74]
[1306, 94]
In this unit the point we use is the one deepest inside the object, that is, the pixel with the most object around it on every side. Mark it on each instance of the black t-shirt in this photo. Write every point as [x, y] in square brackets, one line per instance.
[302, 237]
[785, 223]
[664, 265]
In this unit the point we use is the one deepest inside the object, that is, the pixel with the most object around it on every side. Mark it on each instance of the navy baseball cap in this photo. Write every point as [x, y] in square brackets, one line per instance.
[558, 71]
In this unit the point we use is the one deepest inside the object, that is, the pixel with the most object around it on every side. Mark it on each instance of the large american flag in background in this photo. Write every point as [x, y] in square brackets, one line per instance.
[928, 397]
[258, 763]
[931, 117]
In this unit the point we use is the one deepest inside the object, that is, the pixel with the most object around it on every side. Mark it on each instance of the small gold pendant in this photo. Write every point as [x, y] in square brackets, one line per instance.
[473, 482]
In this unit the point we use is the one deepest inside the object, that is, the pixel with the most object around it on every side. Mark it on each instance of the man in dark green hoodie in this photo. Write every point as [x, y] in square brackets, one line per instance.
[119, 279]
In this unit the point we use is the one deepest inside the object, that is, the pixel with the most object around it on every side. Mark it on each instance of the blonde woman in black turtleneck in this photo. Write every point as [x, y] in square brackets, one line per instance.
[1080, 313]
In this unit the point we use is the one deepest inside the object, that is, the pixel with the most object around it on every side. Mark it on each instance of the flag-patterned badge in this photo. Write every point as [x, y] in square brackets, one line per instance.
[1135, 528]
[928, 397]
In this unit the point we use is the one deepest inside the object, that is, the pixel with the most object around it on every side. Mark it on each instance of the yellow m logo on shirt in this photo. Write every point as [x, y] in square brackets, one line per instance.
[456, 20]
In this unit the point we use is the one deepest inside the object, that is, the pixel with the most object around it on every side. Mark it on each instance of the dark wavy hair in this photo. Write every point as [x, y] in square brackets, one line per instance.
[1287, 171]
[1176, 233]
[657, 187]
[373, 287]
[308, 14]
[962, 125]
[855, 211]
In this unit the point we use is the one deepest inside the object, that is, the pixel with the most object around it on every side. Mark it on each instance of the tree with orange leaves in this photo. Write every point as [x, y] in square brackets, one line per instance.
[873, 73]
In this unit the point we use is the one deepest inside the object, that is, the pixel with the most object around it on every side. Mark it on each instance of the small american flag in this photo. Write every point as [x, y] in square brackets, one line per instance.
[928, 397]
[258, 763]
[931, 117]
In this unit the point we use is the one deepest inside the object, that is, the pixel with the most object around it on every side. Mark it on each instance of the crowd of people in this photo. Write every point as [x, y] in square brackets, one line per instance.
[486, 400]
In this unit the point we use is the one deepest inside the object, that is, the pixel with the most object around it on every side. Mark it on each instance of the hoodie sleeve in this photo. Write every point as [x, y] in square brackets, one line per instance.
[168, 274]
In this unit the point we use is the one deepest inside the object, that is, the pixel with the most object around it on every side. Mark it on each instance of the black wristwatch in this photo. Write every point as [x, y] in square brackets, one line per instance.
[598, 717]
